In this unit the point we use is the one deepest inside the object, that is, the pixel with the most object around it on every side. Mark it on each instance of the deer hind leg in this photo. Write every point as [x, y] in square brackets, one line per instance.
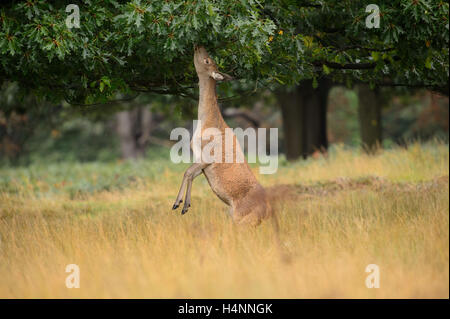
[251, 213]
[250, 219]
[193, 171]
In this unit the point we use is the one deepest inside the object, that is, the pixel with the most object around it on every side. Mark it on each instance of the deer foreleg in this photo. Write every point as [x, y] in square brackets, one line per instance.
[187, 200]
[193, 171]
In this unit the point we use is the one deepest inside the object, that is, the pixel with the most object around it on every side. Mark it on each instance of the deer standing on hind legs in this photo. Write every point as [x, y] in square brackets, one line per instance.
[234, 183]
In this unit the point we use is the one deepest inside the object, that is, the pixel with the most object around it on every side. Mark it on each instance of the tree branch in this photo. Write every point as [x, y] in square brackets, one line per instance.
[347, 66]
[353, 47]
[231, 113]
[126, 99]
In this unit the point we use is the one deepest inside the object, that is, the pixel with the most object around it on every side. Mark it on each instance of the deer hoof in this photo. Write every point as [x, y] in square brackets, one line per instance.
[184, 211]
[175, 206]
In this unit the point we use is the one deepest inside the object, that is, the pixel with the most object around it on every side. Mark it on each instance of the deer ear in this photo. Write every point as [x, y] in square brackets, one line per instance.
[219, 76]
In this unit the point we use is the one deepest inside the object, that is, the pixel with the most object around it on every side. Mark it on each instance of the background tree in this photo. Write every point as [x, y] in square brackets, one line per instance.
[304, 112]
[146, 46]
[134, 129]
[342, 48]
[369, 114]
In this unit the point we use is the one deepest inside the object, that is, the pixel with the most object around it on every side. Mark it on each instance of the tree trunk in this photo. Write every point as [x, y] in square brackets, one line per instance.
[134, 129]
[304, 113]
[145, 117]
[291, 112]
[369, 113]
[315, 103]
[125, 133]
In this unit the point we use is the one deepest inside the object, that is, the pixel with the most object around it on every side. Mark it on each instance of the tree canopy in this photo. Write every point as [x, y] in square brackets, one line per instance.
[147, 46]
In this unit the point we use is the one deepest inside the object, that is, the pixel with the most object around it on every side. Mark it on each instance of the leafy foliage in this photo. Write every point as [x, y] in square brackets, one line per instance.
[147, 46]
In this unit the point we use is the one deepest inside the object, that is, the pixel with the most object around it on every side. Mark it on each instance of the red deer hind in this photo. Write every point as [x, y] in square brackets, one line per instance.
[233, 182]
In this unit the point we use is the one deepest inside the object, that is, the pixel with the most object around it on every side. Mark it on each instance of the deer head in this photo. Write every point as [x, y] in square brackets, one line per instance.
[206, 67]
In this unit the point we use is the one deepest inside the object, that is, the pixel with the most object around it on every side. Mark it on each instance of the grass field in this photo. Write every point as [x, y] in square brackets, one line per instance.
[337, 215]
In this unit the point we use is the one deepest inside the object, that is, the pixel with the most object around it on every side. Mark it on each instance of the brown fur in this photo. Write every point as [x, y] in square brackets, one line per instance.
[234, 183]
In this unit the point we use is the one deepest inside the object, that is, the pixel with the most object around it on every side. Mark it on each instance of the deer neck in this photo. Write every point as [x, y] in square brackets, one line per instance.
[208, 109]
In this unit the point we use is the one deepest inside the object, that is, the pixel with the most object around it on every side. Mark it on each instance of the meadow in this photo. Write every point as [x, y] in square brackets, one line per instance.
[337, 215]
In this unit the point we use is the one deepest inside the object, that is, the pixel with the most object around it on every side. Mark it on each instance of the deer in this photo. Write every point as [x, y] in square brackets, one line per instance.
[234, 183]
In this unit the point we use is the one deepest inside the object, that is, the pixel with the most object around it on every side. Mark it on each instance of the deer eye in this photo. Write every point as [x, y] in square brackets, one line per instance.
[207, 61]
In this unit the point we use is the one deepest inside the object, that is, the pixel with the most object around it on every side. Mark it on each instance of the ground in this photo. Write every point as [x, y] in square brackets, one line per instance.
[337, 215]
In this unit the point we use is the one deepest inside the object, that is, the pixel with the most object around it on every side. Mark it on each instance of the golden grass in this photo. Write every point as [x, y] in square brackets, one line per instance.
[348, 211]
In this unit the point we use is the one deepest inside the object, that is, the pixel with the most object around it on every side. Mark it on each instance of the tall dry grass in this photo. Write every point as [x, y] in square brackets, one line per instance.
[341, 214]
